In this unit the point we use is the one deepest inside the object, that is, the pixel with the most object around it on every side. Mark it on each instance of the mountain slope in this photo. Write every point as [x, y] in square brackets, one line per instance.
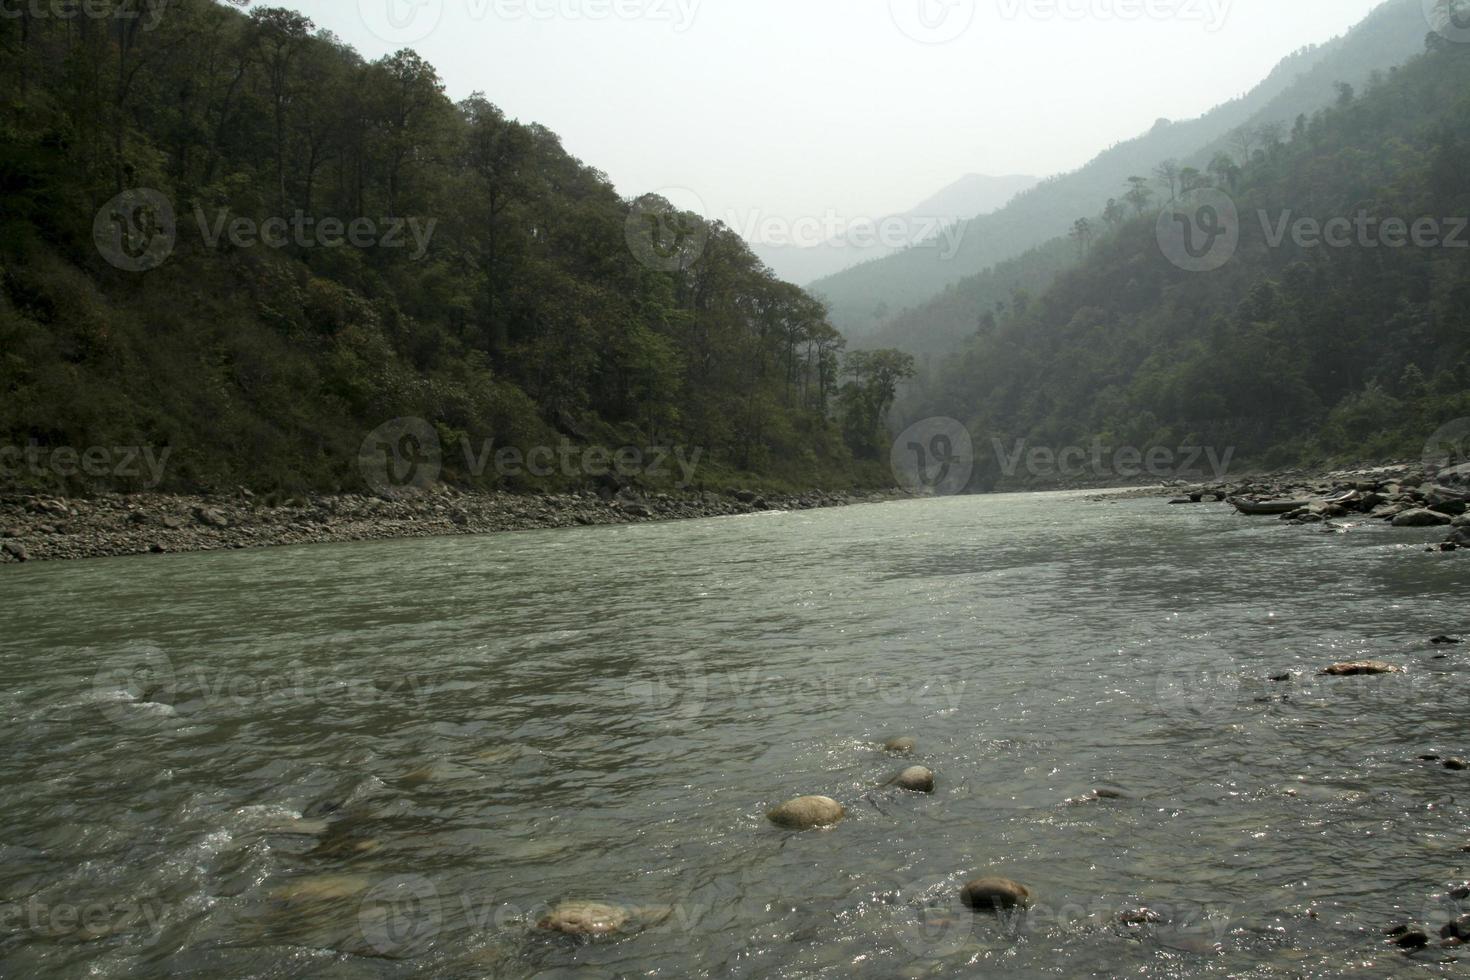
[862, 298]
[1293, 349]
[971, 195]
[203, 251]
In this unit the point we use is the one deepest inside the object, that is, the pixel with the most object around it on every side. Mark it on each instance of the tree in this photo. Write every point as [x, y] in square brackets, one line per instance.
[1225, 170]
[1113, 214]
[281, 36]
[1081, 233]
[1168, 172]
[1138, 194]
[1243, 141]
[876, 376]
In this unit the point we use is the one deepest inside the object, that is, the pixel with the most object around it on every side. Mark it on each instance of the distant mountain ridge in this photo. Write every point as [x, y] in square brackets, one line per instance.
[969, 197]
[864, 298]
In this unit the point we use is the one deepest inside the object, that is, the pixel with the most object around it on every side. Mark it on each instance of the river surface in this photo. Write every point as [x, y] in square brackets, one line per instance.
[389, 759]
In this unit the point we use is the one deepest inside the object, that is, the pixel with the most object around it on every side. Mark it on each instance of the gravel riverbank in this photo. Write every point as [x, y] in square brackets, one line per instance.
[1404, 495]
[47, 528]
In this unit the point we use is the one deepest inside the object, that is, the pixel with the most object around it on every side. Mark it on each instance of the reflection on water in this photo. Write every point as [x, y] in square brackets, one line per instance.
[380, 760]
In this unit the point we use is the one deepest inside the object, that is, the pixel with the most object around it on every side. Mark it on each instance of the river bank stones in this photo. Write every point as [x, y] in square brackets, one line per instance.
[995, 895]
[807, 813]
[1362, 668]
[915, 779]
[904, 745]
[585, 919]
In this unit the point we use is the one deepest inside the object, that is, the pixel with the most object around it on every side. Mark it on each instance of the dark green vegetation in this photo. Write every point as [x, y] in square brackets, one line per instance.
[893, 290]
[520, 312]
[1288, 353]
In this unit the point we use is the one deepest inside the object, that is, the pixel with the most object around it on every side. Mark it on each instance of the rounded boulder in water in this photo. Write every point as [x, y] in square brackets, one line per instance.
[585, 919]
[904, 745]
[915, 779]
[995, 895]
[807, 813]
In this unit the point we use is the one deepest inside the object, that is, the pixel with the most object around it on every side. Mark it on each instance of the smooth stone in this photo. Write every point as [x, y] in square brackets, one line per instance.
[807, 813]
[916, 779]
[1362, 668]
[1421, 517]
[584, 919]
[901, 746]
[995, 894]
[1459, 929]
[1410, 939]
[1457, 765]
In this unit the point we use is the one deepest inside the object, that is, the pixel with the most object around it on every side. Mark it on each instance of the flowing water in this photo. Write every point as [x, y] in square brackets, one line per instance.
[389, 759]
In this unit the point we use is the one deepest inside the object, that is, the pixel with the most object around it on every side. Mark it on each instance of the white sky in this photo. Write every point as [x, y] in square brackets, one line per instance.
[794, 108]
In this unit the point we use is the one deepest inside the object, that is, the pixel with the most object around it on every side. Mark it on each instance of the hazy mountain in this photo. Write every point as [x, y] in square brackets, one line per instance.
[970, 196]
[1288, 348]
[863, 298]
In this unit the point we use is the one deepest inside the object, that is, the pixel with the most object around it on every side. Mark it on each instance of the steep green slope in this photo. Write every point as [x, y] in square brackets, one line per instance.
[318, 245]
[863, 298]
[1296, 347]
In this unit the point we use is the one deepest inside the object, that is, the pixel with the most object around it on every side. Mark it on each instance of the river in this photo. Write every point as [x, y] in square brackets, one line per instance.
[389, 759]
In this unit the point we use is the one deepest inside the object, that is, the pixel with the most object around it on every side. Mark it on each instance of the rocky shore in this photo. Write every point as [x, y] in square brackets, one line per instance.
[47, 528]
[1403, 495]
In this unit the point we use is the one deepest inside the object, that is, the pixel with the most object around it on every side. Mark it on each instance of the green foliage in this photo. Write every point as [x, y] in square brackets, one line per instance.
[1287, 353]
[525, 316]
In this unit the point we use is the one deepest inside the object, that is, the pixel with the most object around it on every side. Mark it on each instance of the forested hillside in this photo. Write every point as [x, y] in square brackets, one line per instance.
[315, 244]
[1352, 343]
[864, 298]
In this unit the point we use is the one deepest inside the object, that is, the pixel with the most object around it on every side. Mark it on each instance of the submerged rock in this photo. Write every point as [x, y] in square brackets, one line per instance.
[1406, 938]
[1362, 668]
[916, 779]
[995, 895]
[808, 813]
[901, 746]
[1456, 765]
[585, 919]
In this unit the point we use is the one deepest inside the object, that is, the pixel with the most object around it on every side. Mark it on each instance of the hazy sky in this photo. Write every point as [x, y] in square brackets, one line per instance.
[795, 108]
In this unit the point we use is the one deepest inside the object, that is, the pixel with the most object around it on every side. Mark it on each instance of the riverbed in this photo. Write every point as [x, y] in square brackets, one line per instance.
[386, 759]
